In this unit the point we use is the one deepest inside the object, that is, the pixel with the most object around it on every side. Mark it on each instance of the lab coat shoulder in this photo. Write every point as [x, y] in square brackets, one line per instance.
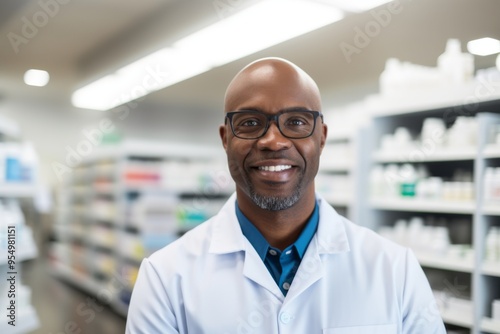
[383, 270]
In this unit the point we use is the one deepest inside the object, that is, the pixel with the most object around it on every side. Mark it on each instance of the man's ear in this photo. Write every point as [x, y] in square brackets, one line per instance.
[324, 133]
[223, 135]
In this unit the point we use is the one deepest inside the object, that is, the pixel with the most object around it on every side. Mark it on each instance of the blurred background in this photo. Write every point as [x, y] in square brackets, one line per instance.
[109, 145]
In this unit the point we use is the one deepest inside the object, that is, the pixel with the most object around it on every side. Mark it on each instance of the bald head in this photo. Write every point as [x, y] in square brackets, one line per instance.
[276, 78]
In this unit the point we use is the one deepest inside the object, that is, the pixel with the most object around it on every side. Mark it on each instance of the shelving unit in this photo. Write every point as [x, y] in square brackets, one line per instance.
[335, 179]
[482, 279]
[25, 247]
[342, 161]
[123, 203]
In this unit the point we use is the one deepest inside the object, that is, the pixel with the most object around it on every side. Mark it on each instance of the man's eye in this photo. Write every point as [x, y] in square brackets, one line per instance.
[296, 122]
[250, 122]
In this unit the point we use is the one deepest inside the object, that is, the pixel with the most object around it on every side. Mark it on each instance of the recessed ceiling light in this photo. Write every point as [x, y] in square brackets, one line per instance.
[484, 46]
[37, 78]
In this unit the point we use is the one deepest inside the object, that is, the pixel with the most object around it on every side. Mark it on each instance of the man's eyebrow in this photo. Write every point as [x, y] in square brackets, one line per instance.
[296, 108]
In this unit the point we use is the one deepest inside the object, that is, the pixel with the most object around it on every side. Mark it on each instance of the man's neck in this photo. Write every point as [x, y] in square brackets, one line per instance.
[280, 228]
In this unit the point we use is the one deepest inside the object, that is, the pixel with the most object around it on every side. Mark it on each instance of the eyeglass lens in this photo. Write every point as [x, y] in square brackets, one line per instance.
[293, 124]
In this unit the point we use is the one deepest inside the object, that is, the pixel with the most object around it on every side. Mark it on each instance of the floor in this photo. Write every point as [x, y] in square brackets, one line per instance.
[63, 309]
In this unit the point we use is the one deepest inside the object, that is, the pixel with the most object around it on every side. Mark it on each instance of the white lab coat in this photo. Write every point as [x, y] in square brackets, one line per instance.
[350, 281]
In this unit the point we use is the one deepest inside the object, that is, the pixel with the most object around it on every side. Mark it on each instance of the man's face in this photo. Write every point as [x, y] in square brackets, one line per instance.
[251, 161]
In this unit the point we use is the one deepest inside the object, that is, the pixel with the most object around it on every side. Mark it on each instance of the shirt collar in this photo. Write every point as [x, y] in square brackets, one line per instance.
[260, 243]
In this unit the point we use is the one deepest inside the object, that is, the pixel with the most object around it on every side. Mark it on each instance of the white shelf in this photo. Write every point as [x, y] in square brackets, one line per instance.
[456, 318]
[153, 149]
[85, 283]
[490, 325]
[451, 99]
[340, 200]
[25, 251]
[492, 151]
[491, 209]
[420, 205]
[339, 166]
[26, 321]
[449, 154]
[492, 269]
[17, 190]
[445, 262]
[9, 127]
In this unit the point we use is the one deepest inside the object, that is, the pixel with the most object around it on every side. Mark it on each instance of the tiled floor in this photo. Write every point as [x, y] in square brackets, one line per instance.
[63, 309]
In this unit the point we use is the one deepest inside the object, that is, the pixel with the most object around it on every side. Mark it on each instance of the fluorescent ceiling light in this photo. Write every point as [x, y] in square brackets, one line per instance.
[260, 26]
[36, 78]
[356, 5]
[484, 46]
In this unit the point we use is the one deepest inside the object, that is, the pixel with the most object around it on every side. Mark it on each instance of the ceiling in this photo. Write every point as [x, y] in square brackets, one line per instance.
[81, 40]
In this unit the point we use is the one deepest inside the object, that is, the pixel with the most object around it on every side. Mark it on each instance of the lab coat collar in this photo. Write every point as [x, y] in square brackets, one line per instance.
[330, 238]
[226, 235]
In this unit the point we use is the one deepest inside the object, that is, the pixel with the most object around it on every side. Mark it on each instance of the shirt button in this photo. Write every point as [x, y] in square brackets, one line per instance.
[285, 317]
[286, 285]
[273, 252]
[288, 252]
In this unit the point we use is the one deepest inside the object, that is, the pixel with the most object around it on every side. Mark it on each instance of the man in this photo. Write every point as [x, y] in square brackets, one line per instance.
[277, 258]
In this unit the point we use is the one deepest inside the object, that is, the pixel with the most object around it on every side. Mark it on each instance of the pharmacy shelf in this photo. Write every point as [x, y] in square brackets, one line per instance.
[420, 205]
[9, 128]
[85, 283]
[472, 159]
[490, 325]
[492, 209]
[432, 260]
[26, 251]
[17, 190]
[338, 166]
[449, 154]
[453, 317]
[492, 151]
[108, 199]
[26, 321]
[338, 199]
[491, 269]
[439, 102]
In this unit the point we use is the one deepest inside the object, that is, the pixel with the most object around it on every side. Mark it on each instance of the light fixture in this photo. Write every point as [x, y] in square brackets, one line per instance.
[255, 28]
[38, 78]
[498, 62]
[484, 46]
[357, 5]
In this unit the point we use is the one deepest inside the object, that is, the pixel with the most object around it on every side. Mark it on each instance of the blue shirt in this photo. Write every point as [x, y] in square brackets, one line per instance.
[282, 265]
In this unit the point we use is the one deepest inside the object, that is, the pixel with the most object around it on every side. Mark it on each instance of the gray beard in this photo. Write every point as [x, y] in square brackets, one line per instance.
[274, 203]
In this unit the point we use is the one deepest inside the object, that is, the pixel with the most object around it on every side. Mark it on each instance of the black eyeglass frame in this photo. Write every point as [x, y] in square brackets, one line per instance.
[269, 118]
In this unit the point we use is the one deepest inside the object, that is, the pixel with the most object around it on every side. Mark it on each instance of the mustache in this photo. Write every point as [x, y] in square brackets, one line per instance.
[273, 156]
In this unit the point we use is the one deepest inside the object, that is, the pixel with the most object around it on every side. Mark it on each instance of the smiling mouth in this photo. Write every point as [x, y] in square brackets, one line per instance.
[277, 168]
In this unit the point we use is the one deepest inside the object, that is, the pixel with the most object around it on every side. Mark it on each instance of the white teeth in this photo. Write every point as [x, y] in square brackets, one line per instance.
[278, 168]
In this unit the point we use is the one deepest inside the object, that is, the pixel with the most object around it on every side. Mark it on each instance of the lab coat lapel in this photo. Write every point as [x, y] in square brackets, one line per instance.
[330, 239]
[255, 270]
[228, 238]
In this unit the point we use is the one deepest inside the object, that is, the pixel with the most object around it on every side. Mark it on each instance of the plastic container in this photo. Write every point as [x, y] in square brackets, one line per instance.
[492, 245]
[455, 66]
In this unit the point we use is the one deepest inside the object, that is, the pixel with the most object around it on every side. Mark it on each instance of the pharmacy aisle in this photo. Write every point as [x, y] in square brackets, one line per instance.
[63, 309]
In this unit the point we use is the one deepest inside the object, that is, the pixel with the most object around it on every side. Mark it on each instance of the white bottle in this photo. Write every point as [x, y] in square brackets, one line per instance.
[495, 186]
[492, 244]
[455, 66]
[489, 175]
[377, 182]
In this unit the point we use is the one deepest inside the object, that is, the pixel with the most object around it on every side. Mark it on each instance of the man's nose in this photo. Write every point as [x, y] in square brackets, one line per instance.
[273, 139]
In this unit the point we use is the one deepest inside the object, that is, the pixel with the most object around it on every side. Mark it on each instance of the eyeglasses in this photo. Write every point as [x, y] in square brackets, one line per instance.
[252, 124]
